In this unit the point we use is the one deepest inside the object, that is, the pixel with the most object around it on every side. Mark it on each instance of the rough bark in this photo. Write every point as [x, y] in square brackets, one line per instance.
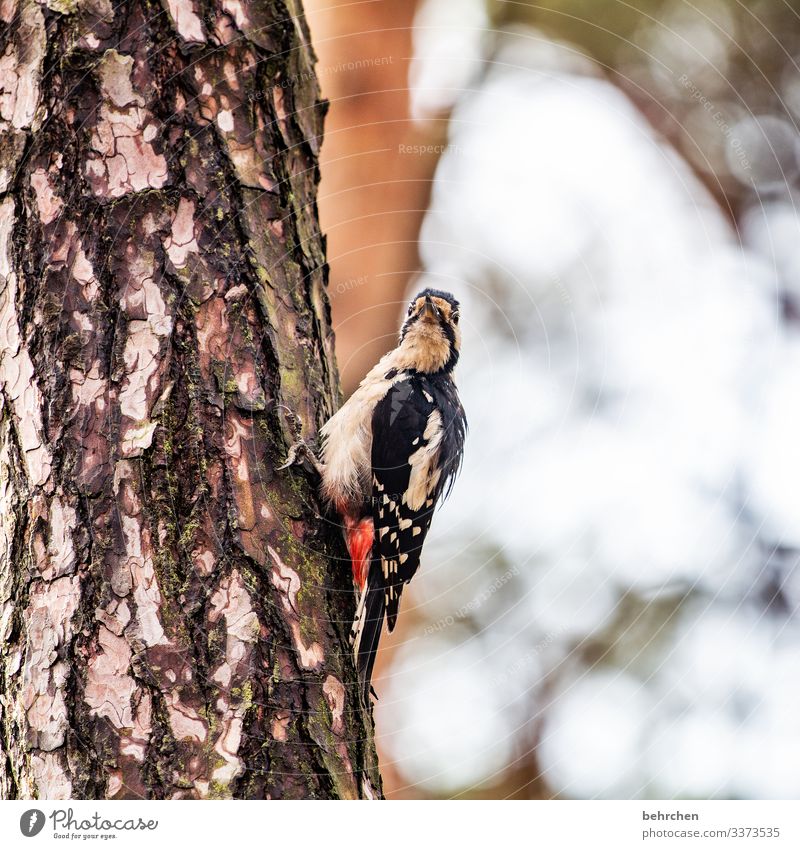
[173, 610]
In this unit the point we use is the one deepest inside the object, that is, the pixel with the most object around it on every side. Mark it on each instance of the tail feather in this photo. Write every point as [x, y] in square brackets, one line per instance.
[367, 627]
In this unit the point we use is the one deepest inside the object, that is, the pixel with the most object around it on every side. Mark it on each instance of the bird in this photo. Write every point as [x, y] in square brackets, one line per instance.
[389, 455]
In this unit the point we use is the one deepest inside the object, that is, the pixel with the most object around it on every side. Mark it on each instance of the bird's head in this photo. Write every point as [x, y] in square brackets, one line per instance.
[430, 337]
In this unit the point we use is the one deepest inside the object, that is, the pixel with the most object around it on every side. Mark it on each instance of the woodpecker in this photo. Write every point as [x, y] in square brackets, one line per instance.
[389, 455]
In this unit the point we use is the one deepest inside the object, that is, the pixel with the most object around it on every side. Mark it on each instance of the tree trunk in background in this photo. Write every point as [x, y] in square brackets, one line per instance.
[173, 611]
[374, 191]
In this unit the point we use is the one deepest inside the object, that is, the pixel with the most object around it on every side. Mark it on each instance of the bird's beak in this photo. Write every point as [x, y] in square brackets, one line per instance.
[429, 310]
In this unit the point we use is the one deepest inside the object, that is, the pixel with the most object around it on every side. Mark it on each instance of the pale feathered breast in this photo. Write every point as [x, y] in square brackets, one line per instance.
[347, 437]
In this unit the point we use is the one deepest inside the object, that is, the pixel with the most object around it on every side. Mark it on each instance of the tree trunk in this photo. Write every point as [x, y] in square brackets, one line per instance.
[173, 611]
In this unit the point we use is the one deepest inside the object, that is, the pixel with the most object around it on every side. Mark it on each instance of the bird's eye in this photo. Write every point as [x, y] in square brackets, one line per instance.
[456, 317]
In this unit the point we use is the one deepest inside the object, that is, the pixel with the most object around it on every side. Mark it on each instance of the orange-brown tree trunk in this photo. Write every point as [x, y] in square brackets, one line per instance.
[173, 610]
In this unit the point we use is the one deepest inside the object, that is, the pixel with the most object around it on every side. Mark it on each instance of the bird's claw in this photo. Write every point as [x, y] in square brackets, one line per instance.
[299, 452]
[291, 457]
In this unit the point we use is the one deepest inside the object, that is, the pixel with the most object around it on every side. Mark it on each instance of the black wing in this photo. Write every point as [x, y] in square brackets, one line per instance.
[406, 438]
[417, 439]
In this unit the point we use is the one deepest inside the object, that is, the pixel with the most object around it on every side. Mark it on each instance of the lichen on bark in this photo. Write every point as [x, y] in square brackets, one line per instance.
[173, 610]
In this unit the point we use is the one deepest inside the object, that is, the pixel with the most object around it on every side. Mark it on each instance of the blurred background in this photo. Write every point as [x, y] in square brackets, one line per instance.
[607, 604]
